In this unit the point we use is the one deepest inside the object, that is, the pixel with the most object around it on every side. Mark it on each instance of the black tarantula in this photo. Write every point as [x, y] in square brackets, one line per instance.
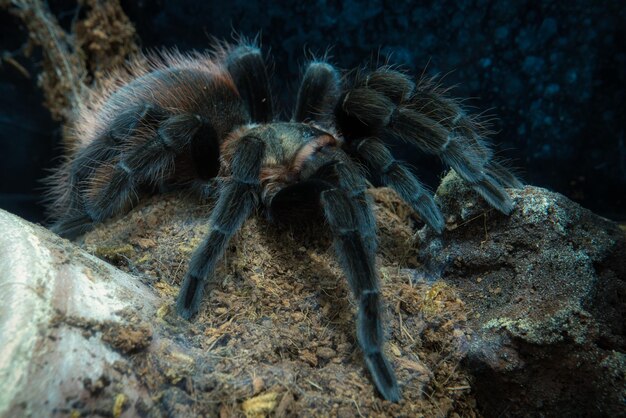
[206, 122]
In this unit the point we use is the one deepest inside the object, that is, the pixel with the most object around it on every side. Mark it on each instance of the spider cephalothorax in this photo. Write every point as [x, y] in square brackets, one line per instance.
[205, 122]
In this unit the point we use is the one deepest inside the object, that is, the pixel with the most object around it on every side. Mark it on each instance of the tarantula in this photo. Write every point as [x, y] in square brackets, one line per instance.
[206, 122]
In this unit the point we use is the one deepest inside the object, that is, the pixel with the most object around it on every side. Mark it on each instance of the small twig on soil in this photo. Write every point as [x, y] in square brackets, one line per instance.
[404, 330]
[485, 226]
[314, 384]
[485, 213]
[357, 407]
[459, 388]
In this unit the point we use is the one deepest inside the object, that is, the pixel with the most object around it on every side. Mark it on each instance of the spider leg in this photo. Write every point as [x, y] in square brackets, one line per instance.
[374, 107]
[397, 176]
[504, 175]
[205, 190]
[338, 188]
[345, 175]
[145, 162]
[318, 93]
[355, 249]
[246, 66]
[75, 221]
[238, 197]
[358, 261]
[102, 150]
[72, 225]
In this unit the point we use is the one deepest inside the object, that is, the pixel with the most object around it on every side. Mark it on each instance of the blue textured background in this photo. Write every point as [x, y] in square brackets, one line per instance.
[553, 73]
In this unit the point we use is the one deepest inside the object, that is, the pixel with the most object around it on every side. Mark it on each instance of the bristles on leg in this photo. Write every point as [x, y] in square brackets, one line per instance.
[247, 68]
[318, 93]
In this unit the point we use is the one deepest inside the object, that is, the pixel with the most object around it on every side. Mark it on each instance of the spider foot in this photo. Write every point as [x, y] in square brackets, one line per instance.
[72, 227]
[190, 296]
[383, 376]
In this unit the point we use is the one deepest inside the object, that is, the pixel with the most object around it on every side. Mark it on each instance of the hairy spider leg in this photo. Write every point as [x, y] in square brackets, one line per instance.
[339, 187]
[449, 113]
[345, 175]
[142, 163]
[238, 197]
[317, 98]
[369, 110]
[358, 261]
[102, 150]
[396, 175]
[504, 175]
[247, 68]
[429, 136]
[318, 93]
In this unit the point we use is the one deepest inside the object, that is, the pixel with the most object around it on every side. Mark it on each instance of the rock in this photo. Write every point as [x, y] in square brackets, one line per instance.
[546, 286]
[67, 320]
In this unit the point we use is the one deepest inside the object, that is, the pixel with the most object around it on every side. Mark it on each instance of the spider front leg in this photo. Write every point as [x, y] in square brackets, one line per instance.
[358, 261]
[238, 197]
[340, 192]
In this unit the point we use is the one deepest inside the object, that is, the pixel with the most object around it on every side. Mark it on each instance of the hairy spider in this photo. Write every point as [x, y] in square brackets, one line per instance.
[205, 121]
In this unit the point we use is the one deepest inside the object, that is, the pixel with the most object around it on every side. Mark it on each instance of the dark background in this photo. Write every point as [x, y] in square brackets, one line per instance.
[553, 73]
